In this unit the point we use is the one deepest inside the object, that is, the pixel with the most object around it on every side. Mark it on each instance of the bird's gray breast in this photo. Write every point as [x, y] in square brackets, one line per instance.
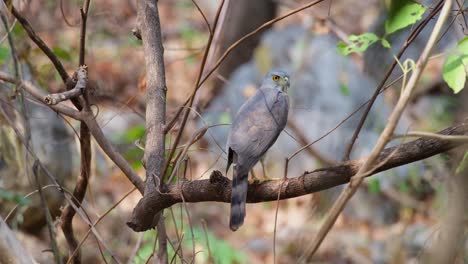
[258, 124]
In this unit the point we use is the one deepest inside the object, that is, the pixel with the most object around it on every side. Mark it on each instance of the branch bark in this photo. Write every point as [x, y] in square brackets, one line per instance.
[82, 80]
[150, 27]
[218, 187]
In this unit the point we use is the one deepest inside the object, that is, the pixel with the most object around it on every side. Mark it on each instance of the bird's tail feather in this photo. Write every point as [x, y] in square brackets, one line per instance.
[238, 198]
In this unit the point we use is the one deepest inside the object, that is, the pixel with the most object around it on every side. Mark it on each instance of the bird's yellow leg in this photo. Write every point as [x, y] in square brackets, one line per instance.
[254, 177]
[265, 176]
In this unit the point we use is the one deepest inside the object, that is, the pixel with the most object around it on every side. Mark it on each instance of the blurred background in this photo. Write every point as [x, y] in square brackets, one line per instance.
[392, 218]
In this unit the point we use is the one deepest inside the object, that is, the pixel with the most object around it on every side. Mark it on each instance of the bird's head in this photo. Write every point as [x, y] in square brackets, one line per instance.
[277, 79]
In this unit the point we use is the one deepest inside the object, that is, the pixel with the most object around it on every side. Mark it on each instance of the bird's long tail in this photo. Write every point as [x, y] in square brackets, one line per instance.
[238, 198]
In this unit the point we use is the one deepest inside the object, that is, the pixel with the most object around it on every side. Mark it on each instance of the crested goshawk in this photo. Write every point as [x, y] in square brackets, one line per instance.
[254, 130]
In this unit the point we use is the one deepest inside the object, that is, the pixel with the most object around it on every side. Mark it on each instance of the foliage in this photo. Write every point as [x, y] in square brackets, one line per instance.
[455, 66]
[358, 43]
[402, 13]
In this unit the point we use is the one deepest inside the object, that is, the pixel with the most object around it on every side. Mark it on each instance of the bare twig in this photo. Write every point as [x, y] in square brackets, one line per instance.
[162, 241]
[422, 134]
[49, 221]
[385, 136]
[203, 15]
[205, 230]
[276, 218]
[78, 194]
[310, 150]
[116, 157]
[218, 187]
[84, 17]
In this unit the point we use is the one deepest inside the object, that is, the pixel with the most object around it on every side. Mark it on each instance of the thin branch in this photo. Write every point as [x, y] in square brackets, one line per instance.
[385, 136]
[218, 187]
[49, 221]
[82, 80]
[162, 241]
[204, 17]
[116, 157]
[460, 139]
[84, 17]
[310, 150]
[78, 194]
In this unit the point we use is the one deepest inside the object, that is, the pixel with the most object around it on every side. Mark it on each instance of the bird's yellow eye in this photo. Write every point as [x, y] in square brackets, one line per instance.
[276, 78]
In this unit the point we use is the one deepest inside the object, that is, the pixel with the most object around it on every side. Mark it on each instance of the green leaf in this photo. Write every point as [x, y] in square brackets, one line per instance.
[462, 46]
[454, 73]
[18, 30]
[4, 52]
[403, 13]
[135, 133]
[61, 53]
[358, 44]
[344, 89]
[385, 43]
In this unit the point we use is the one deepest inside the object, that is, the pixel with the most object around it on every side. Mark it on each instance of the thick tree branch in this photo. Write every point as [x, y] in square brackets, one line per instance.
[150, 27]
[218, 187]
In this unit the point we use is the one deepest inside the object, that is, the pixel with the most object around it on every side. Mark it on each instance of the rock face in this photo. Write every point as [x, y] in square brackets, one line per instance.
[52, 142]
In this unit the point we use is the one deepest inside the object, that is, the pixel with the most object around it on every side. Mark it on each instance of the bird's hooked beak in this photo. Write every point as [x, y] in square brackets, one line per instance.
[285, 83]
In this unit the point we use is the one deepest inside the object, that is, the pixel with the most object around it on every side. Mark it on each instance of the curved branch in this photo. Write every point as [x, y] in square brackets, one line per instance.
[218, 187]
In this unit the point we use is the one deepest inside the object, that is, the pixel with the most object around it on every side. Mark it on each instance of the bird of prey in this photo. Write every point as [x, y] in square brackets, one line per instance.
[255, 129]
